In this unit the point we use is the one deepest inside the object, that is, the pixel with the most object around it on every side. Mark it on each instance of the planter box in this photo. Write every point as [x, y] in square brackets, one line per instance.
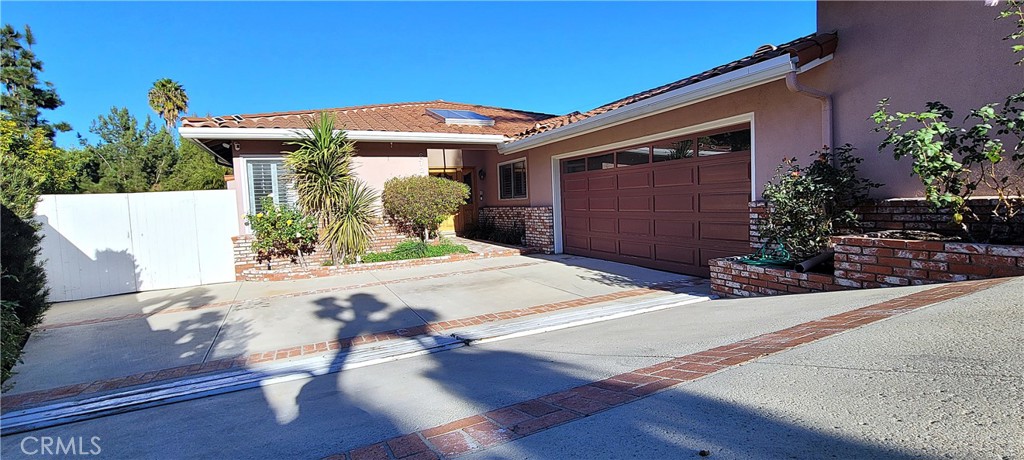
[866, 262]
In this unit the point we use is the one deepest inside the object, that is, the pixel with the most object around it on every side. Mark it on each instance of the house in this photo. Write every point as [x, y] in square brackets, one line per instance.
[664, 178]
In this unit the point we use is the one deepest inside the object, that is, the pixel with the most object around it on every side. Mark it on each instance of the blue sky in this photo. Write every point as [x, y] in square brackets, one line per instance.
[248, 57]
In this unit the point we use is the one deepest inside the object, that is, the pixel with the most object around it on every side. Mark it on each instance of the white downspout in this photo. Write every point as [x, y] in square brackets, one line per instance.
[826, 105]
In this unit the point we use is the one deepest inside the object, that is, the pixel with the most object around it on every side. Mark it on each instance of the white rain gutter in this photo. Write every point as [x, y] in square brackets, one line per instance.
[364, 136]
[758, 74]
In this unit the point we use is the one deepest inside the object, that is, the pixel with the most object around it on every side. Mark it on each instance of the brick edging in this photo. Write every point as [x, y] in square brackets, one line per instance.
[40, 396]
[499, 426]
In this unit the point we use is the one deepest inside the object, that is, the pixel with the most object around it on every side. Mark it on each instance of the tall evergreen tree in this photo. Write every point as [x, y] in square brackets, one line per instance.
[24, 95]
[168, 99]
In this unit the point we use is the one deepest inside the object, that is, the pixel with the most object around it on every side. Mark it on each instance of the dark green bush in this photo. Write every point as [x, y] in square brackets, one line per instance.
[281, 231]
[416, 249]
[421, 203]
[807, 205]
[12, 337]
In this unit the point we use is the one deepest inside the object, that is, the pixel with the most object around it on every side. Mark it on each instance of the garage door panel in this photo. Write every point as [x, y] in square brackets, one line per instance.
[601, 183]
[673, 203]
[603, 203]
[603, 245]
[634, 180]
[733, 231]
[718, 252]
[576, 204]
[577, 242]
[635, 203]
[718, 173]
[578, 184]
[635, 226]
[635, 249]
[673, 229]
[675, 254]
[603, 225]
[724, 202]
[669, 176]
[575, 223]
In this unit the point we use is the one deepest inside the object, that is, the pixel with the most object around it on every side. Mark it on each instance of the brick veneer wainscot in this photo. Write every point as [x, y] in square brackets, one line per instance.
[538, 222]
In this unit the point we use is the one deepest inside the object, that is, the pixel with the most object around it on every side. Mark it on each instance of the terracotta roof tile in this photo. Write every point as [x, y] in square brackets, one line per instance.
[804, 49]
[403, 117]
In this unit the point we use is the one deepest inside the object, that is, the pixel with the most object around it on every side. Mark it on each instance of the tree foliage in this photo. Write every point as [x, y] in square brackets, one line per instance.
[169, 100]
[321, 170]
[281, 231]
[423, 202]
[806, 205]
[24, 95]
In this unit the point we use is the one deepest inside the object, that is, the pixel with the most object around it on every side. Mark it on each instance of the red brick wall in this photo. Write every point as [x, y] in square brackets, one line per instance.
[735, 279]
[874, 262]
[538, 221]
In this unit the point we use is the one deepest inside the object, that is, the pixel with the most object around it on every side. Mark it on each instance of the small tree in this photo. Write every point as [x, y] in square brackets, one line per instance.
[321, 169]
[423, 202]
[807, 205]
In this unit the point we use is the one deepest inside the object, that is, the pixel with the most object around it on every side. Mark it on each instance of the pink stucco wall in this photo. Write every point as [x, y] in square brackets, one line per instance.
[912, 53]
[785, 125]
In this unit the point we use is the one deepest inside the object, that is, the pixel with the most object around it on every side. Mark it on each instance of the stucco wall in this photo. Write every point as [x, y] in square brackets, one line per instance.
[912, 52]
[785, 125]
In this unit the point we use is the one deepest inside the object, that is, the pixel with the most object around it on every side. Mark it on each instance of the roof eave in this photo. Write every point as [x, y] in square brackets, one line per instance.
[737, 80]
[359, 136]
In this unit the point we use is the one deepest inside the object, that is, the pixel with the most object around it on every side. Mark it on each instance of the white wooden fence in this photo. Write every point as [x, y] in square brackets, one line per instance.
[102, 244]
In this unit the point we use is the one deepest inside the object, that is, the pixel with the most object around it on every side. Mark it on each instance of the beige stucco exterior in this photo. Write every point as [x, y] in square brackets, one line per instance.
[912, 53]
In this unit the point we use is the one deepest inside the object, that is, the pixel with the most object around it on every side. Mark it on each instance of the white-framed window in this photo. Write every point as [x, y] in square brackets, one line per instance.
[512, 180]
[268, 177]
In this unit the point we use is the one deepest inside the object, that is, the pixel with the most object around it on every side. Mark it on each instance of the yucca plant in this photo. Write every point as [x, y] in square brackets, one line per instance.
[351, 226]
[321, 170]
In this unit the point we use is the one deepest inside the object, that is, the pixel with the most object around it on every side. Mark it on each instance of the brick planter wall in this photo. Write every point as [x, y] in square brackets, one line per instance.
[867, 262]
[735, 279]
[538, 221]
[247, 268]
[877, 262]
[905, 214]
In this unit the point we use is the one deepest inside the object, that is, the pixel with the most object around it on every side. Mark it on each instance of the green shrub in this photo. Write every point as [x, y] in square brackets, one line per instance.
[416, 249]
[807, 205]
[14, 333]
[421, 203]
[281, 231]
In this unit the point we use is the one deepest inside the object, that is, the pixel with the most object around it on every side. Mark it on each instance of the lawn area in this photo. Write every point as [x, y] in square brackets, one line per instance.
[415, 249]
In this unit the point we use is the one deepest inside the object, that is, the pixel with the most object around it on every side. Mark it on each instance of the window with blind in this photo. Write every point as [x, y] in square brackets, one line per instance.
[512, 180]
[268, 177]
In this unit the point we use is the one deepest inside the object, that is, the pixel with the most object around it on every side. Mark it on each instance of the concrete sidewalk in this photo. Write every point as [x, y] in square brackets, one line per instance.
[132, 335]
[796, 404]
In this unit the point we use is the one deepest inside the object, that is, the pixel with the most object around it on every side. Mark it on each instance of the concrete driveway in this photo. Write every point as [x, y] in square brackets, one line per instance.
[943, 377]
[102, 340]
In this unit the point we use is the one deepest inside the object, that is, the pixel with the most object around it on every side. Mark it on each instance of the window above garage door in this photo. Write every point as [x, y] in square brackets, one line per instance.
[734, 139]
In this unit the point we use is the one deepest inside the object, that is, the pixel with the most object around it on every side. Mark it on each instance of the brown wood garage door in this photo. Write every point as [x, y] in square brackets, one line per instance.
[672, 214]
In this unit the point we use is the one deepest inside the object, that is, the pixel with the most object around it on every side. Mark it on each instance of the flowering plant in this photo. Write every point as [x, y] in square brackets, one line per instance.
[281, 231]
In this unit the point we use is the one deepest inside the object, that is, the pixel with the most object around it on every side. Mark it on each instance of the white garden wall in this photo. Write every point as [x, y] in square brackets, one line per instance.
[103, 244]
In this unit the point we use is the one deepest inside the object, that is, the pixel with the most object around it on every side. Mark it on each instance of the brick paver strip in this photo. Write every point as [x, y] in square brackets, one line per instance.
[238, 303]
[35, 397]
[509, 423]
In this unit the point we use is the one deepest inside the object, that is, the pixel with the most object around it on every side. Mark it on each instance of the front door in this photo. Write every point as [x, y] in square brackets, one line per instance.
[465, 218]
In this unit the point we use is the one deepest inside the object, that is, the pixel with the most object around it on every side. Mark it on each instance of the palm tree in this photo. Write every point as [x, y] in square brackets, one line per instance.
[321, 170]
[168, 99]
